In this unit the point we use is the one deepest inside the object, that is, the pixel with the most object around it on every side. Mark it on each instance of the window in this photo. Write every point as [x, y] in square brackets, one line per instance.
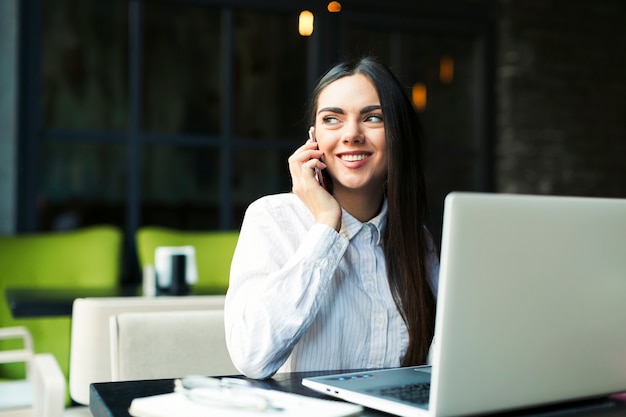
[181, 113]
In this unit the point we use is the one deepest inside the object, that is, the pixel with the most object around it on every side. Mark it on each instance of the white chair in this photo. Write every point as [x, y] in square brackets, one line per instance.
[154, 345]
[42, 393]
[90, 353]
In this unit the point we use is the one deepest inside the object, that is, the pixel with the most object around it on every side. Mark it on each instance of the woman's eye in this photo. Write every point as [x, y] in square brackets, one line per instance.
[376, 118]
[330, 120]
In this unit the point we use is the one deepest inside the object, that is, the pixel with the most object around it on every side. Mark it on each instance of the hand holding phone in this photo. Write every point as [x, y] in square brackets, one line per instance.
[318, 172]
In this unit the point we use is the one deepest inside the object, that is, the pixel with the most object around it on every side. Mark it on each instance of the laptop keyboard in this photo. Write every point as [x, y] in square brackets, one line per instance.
[413, 393]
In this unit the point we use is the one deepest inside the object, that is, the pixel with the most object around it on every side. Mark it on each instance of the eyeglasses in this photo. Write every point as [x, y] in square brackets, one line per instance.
[224, 392]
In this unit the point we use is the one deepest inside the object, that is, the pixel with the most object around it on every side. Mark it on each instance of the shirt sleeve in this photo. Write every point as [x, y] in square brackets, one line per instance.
[281, 270]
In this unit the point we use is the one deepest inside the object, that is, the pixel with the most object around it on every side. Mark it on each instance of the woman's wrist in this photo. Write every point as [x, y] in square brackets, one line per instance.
[331, 220]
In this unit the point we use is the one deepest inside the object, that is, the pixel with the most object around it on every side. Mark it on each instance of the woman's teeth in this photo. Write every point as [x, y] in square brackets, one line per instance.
[352, 158]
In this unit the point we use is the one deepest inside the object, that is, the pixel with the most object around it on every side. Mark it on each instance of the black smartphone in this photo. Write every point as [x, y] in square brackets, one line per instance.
[318, 172]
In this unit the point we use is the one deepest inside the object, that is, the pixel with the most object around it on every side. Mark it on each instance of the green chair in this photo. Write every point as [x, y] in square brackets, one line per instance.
[83, 258]
[214, 252]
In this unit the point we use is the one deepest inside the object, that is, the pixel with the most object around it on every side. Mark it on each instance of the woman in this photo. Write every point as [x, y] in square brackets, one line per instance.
[341, 277]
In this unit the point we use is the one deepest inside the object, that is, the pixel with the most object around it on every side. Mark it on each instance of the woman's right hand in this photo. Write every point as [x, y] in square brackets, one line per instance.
[323, 206]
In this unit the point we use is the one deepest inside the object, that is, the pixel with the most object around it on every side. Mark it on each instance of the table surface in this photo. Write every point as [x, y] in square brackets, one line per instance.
[25, 302]
[112, 399]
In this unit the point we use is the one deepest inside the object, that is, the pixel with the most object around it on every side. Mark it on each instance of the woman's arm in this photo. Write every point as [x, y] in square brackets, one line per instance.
[281, 270]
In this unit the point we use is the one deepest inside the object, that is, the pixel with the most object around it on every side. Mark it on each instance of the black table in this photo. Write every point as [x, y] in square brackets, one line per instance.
[27, 302]
[49, 302]
[112, 399]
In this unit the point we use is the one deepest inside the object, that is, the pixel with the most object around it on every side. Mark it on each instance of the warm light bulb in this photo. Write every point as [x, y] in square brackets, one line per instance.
[419, 96]
[446, 69]
[334, 7]
[305, 23]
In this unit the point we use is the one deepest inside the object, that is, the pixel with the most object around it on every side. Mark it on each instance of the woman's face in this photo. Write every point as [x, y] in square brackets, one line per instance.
[350, 131]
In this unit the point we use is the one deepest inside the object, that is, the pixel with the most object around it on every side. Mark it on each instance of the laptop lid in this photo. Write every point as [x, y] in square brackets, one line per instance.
[531, 304]
[534, 302]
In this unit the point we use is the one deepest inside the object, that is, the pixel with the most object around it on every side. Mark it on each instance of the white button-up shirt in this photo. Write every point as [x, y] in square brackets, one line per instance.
[301, 291]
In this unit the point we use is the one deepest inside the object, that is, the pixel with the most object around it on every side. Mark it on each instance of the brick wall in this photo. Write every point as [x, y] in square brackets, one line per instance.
[561, 97]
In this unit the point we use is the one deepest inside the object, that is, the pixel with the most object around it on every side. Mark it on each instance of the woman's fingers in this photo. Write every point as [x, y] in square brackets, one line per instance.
[303, 161]
[306, 152]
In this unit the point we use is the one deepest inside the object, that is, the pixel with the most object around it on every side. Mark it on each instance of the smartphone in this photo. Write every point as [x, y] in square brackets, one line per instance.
[318, 172]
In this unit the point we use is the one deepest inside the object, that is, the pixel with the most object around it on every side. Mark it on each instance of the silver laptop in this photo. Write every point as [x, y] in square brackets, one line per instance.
[531, 310]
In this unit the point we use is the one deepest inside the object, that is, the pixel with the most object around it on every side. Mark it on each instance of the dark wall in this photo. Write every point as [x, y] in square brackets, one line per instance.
[561, 97]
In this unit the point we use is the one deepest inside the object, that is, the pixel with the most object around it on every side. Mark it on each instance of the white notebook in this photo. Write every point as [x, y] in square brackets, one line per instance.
[293, 405]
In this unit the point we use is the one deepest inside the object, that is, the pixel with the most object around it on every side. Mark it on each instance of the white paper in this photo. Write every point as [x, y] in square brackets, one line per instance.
[177, 405]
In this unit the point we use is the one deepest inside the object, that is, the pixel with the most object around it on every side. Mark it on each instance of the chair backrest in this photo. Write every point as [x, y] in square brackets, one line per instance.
[90, 356]
[16, 396]
[169, 345]
[42, 393]
[49, 386]
[83, 258]
[214, 251]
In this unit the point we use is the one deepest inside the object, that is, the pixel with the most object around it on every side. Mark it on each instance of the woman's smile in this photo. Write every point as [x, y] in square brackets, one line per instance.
[353, 157]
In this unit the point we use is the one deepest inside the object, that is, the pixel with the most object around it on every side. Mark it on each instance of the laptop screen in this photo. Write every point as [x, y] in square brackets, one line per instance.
[532, 301]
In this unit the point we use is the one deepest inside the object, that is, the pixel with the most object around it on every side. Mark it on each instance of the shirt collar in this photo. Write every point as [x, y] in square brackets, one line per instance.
[350, 226]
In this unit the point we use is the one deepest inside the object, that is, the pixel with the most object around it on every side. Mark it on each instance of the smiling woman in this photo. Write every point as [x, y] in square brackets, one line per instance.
[342, 277]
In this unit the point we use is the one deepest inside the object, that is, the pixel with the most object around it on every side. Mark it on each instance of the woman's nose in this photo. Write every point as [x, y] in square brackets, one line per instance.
[352, 133]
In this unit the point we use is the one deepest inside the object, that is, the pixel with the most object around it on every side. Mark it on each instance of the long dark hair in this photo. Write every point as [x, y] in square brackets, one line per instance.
[405, 238]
